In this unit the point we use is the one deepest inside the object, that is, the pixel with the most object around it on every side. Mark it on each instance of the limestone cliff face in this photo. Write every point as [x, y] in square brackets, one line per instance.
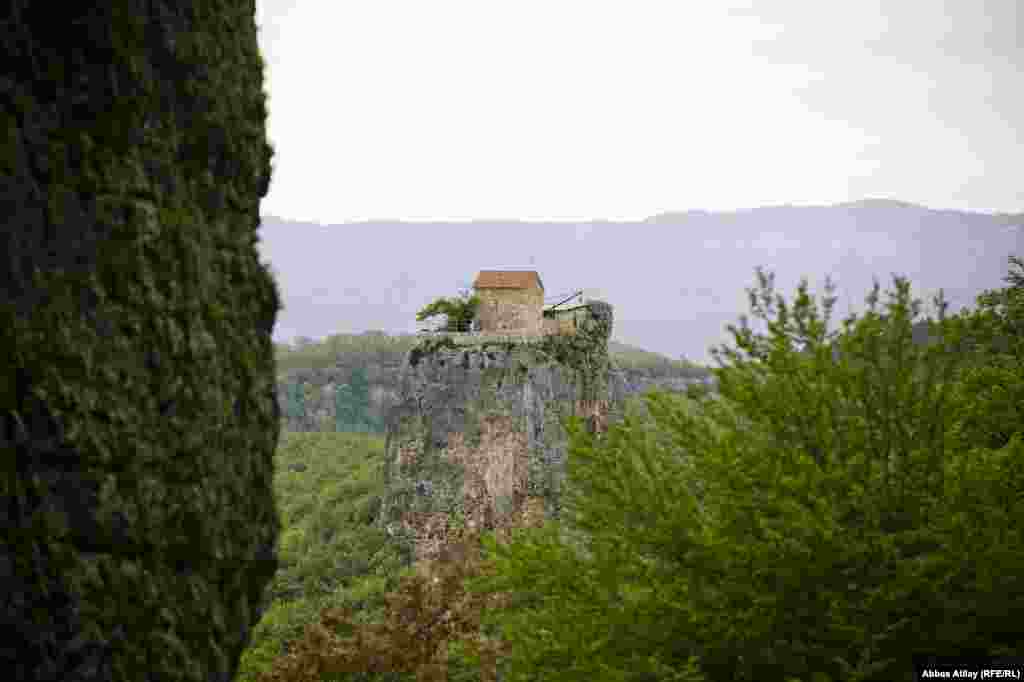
[137, 416]
[475, 435]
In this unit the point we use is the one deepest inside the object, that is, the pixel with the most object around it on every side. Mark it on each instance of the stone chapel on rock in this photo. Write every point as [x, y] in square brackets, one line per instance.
[512, 302]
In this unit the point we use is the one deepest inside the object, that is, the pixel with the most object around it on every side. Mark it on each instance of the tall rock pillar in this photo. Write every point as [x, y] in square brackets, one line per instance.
[476, 437]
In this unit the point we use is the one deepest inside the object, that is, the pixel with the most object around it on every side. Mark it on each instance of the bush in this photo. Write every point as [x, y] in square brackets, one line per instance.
[458, 311]
[843, 503]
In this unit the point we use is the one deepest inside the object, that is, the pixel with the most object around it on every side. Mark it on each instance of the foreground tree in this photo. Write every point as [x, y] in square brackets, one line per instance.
[991, 391]
[137, 366]
[849, 498]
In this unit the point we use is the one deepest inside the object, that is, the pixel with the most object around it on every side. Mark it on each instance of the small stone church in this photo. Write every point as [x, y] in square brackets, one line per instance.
[512, 302]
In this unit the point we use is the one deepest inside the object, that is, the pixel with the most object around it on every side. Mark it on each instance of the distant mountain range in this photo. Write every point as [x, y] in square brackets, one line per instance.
[675, 279]
[875, 204]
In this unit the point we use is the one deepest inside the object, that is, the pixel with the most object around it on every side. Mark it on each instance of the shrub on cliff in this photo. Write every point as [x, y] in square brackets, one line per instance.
[824, 517]
[458, 311]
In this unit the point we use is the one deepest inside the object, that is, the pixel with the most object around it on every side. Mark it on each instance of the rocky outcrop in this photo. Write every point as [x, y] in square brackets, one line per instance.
[384, 376]
[475, 438]
[138, 419]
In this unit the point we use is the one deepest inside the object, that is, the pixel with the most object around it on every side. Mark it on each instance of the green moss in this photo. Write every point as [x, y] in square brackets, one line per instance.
[430, 346]
[491, 378]
[503, 505]
[471, 429]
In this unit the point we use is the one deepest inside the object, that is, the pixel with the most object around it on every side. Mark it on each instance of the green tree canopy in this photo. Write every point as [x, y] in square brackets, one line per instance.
[845, 500]
[352, 404]
[459, 312]
[295, 403]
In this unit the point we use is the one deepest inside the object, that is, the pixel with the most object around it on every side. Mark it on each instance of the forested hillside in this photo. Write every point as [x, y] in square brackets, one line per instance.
[846, 499]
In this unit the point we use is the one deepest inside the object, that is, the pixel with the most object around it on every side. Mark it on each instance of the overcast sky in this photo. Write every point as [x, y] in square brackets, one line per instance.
[567, 110]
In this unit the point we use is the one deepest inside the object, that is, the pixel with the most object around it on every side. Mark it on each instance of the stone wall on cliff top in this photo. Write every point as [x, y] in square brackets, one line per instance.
[475, 436]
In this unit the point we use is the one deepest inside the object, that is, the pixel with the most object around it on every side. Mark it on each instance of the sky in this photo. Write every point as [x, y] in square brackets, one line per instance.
[565, 111]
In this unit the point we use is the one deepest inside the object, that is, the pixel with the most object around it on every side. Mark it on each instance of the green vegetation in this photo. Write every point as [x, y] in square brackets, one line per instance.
[351, 405]
[328, 487]
[459, 312]
[651, 364]
[379, 347]
[376, 349]
[138, 434]
[822, 519]
[846, 498]
[295, 402]
[373, 347]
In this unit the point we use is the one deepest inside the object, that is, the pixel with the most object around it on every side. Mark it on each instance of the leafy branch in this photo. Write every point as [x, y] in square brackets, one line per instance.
[459, 311]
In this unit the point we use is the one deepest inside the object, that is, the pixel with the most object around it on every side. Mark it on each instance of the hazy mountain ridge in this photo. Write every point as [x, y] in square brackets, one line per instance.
[676, 280]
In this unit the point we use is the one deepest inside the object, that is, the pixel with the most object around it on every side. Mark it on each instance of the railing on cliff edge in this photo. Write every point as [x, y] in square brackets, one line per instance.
[562, 298]
[470, 333]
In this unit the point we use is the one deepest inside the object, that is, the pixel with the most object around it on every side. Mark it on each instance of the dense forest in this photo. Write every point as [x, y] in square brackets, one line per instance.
[846, 498]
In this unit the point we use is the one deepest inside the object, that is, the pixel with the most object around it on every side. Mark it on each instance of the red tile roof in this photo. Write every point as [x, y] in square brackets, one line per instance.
[508, 279]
